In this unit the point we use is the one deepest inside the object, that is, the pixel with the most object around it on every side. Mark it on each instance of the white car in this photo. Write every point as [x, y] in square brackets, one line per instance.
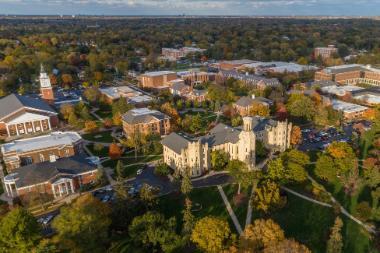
[139, 172]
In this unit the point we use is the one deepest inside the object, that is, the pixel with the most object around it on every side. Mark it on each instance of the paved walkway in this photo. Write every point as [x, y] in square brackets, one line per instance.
[248, 219]
[305, 197]
[230, 211]
[93, 113]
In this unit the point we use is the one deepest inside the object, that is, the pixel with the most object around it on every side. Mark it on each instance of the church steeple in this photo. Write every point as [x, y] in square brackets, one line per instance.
[45, 86]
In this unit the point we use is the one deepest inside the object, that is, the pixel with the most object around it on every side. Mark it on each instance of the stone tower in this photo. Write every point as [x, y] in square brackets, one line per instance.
[47, 93]
[247, 143]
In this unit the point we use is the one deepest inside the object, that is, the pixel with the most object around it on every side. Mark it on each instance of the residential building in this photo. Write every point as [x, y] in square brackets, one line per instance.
[325, 52]
[145, 121]
[350, 74]
[244, 105]
[54, 179]
[39, 149]
[182, 152]
[22, 115]
[157, 79]
[257, 82]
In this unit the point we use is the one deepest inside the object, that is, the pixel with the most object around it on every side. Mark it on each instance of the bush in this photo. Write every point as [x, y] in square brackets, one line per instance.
[162, 170]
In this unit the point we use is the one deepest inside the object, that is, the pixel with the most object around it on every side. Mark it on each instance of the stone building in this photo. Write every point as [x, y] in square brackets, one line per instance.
[40, 149]
[53, 179]
[182, 152]
[145, 121]
[245, 104]
[157, 79]
[325, 52]
[22, 115]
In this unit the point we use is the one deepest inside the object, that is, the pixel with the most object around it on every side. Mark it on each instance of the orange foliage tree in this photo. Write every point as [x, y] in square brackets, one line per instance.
[114, 151]
[90, 126]
[296, 136]
[259, 110]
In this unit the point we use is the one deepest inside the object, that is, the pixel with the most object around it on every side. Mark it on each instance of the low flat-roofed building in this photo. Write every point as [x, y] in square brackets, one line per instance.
[55, 179]
[370, 96]
[350, 111]
[244, 105]
[157, 79]
[39, 149]
[233, 64]
[277, 67]
[340, 90]
[145, 121]
[22, 115]
[133, 96]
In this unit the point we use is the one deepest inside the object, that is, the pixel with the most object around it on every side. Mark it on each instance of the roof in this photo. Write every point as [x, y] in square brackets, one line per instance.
[248, 101]
[347, 107]
[259, 123]
[46, 171]
[250, 77]
[41, 142]
[117, 92]
[221, 134]
[344, 68]
[14, 102]
[179, 86]
[175, 142]
[158, 73]
[143, 115]
[340, 90]
[238, 62]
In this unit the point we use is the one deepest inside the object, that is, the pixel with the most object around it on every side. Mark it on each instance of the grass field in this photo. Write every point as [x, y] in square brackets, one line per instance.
[101, 153]
[104, 136]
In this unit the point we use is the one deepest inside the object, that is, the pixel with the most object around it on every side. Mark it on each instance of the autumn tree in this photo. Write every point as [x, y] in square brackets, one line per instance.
[261, 234]
[296, 136]
[301, 106]
[267, 197]
[287, 246]
[114, 151]
[335, 242]
[240, 173]
[211, 234]
[119, 169]
[90, 126]
[259, 109]
[85, 220]
[66, 110]
[19, 231]
[92, 94]
[219, 159]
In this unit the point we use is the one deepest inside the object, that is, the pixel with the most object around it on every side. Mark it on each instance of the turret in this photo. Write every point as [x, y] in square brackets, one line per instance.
[46, 89]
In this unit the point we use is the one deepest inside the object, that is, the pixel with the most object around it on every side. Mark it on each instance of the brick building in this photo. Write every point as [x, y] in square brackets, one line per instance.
[350, 74]
[245, 104]
[196, 77]
[145, 121]
[257, 82]
[325, 52]
[53, 179]
[173, 54]
[157, 79]
[40, 149]
[21, 115]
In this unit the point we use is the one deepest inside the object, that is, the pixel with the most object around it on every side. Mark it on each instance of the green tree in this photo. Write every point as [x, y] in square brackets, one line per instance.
[153, 232]
[301, 106]
[324, 168]
[211, 234]
[162, 169]
[119, 170]
[186, 185]
[335, 242]
[85, 220]
[148, 196]
[239, 171]
[267, 197]
[188, 218]
[19, 231]
[219, 159]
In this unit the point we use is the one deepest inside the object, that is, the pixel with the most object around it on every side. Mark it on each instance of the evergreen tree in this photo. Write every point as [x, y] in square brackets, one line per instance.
[119, 170]
[186, 185]
[188, 218]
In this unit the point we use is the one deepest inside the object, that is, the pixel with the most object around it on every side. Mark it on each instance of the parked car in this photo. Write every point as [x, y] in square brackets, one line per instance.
[139, 172]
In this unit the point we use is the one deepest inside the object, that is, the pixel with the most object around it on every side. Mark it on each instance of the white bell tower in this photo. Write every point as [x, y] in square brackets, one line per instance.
[47, 93]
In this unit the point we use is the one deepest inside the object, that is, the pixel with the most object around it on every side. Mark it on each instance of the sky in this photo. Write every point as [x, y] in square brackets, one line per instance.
[192, 7]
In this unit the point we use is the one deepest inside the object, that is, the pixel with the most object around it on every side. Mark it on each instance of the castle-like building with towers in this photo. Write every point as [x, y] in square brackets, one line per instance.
[182, 152]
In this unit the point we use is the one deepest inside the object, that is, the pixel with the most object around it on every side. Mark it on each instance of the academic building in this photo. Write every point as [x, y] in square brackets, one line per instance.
[350, 74]
[182, 152]
[157, 79]
[40, 149]
[325, 52]
[22, 115]
[145, 121]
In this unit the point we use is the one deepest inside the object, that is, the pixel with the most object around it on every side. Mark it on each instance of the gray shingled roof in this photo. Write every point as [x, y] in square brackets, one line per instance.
[259, 123]
[131, 118]
[221, 134]
[175, 142]
[179, 86]
[14, 102]
[42, 172]
[248, 101]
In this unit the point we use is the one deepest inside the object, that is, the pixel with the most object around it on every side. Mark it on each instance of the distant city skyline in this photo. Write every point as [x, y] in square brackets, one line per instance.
[192, 7]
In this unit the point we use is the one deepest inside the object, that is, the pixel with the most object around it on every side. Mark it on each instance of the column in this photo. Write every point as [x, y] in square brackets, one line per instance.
[42, 126]
[34, 130]
[53, 187]
[9, 193]
[16, 129]
[60, 190]
[9, 132]
[49, 124]
[67, 188]
[72, 186]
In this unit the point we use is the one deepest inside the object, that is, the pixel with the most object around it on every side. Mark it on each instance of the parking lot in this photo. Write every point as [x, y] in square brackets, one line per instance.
[314, 140]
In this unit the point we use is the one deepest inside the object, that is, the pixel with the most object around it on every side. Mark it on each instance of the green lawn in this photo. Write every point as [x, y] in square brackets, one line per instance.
[240, 209]
[104, 136]
[209, 199]
[101, 153]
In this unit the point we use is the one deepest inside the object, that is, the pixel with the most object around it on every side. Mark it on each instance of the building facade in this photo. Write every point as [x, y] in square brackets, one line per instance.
[325, 52]
[40, 149]
[257, 82]
[173, 54]
[245, 104]
[21, 115]
[157, 79]
[145, 121]
[47, 92]
[182, 153]
[54, 179]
